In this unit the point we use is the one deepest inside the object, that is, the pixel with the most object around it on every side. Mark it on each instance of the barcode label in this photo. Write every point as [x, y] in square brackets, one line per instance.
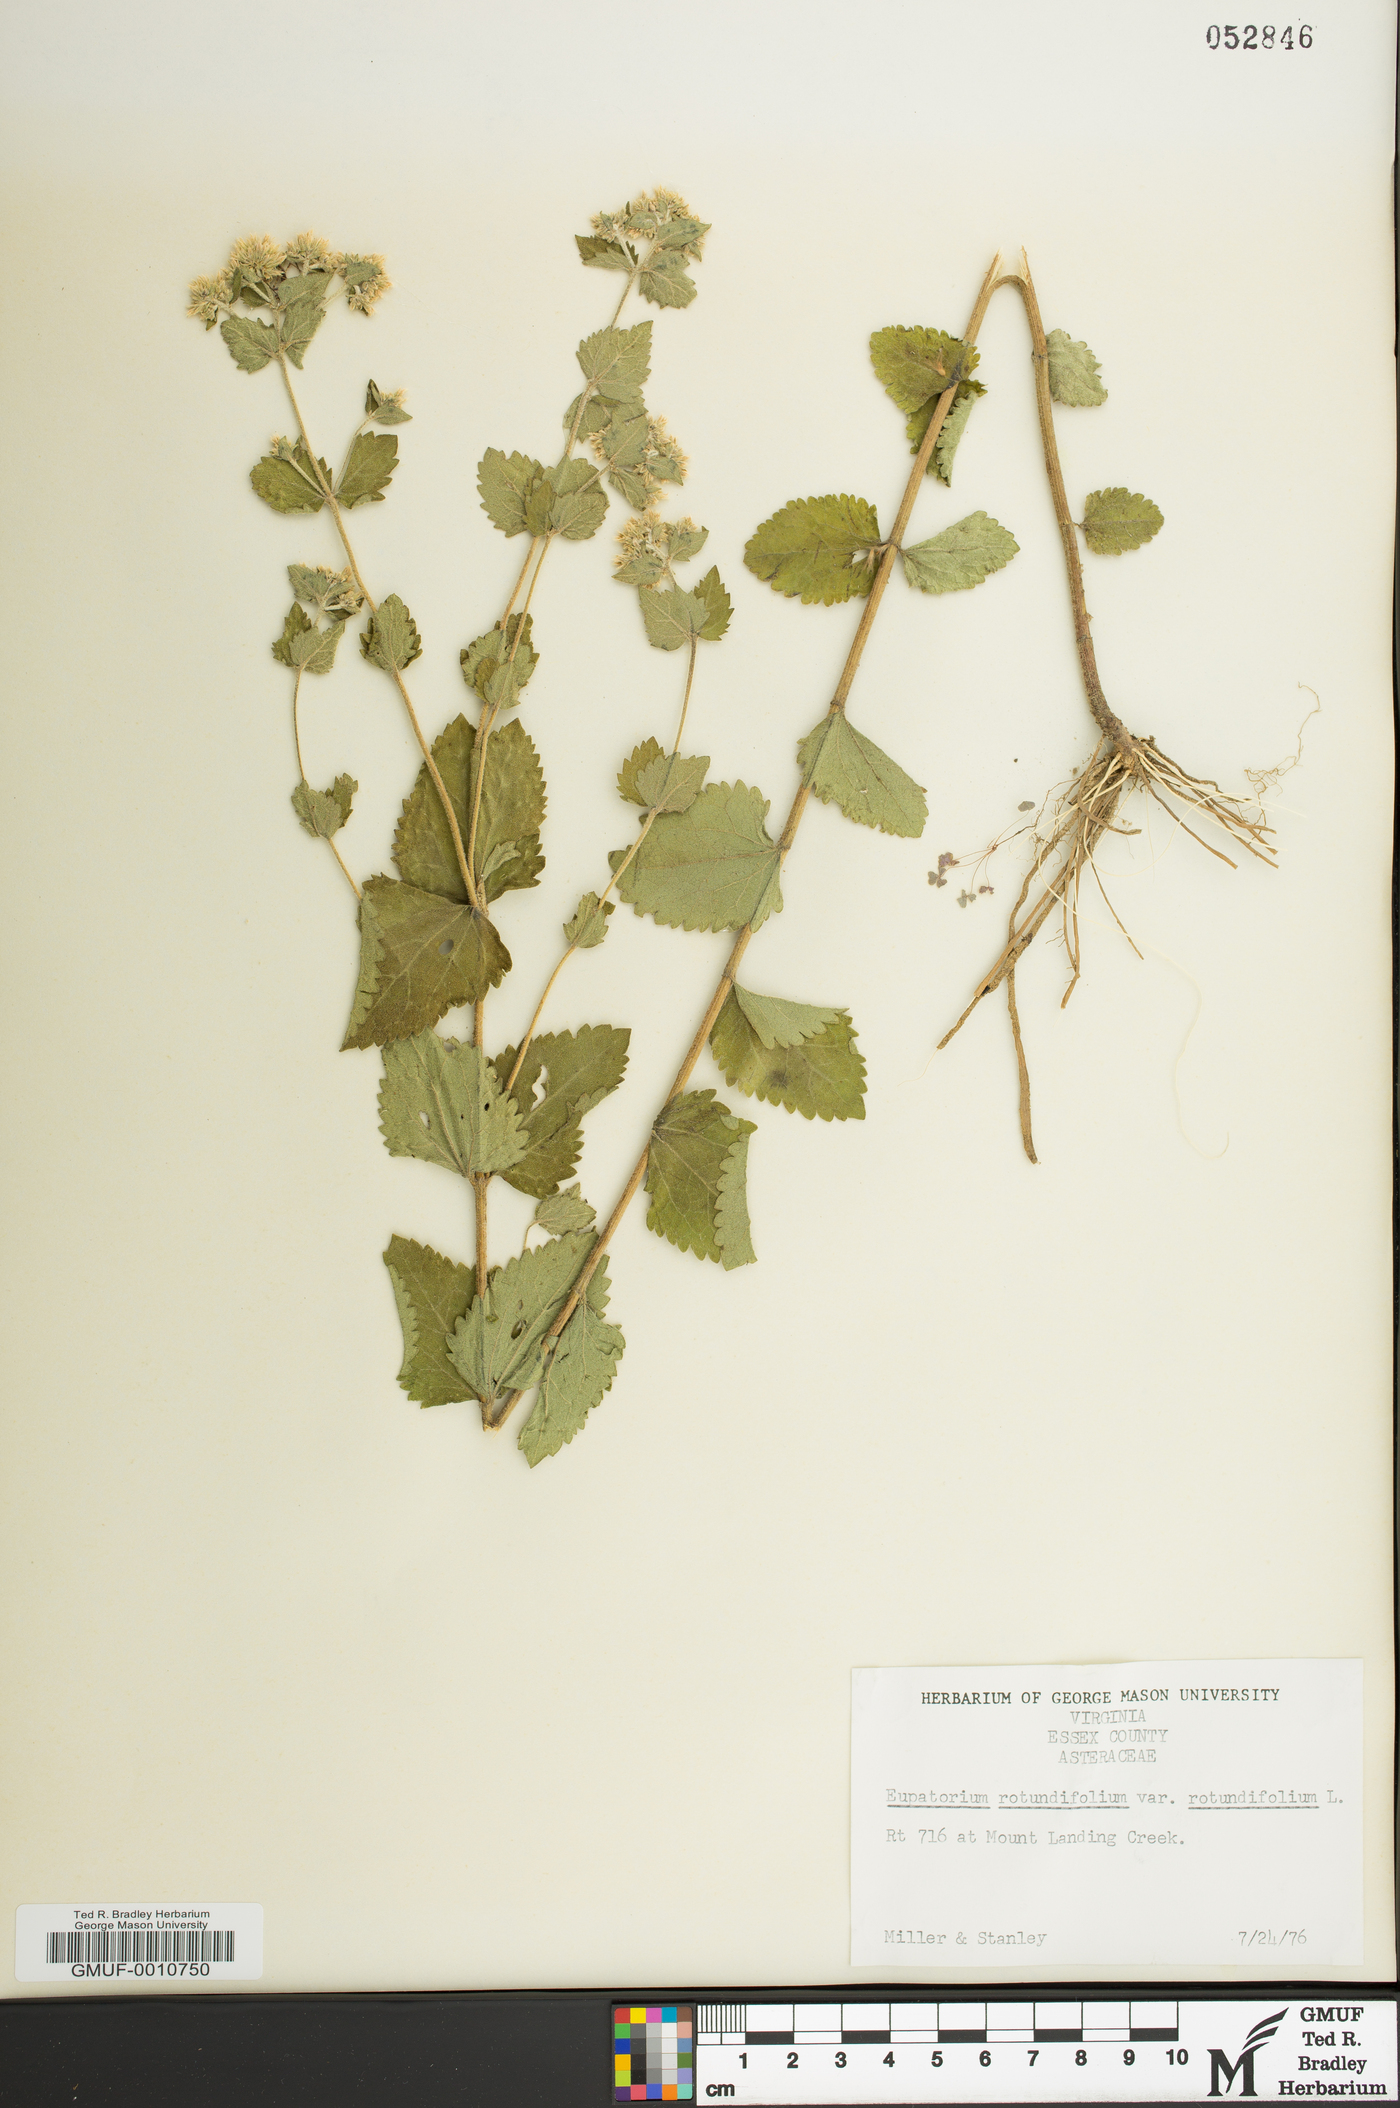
[87, 1946]
[106, 1945]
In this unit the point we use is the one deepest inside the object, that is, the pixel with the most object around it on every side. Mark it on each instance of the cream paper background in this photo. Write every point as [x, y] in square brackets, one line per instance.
[271, 1632]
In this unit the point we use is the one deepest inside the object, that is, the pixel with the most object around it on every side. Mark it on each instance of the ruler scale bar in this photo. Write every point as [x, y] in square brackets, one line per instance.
[777, 2026]
[1000, 2052]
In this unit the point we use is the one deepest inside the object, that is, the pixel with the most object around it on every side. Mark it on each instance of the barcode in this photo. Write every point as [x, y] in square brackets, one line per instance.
[105, 1943]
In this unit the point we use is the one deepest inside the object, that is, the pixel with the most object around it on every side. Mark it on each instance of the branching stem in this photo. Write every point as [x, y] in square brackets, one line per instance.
[643, 831]
[515, 589]
[481, 1182]
[497, 1415]
[338, 516]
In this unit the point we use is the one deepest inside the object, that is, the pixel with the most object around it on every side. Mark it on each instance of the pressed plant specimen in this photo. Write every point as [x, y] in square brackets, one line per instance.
[702, 856]
[1123, 762]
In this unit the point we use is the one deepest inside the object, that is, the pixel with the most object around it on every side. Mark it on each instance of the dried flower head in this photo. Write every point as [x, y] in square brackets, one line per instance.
[646, 216]
[365, 280]
[307, 252]
[665, 461]
[281, 448]
[208, 296]
[257, 256]
[645, 536]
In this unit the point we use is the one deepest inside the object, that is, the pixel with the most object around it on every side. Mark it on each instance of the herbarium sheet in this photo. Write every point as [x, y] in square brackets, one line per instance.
[811, 523]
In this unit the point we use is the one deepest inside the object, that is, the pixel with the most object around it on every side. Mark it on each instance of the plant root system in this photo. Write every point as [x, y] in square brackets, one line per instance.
[1081, 818]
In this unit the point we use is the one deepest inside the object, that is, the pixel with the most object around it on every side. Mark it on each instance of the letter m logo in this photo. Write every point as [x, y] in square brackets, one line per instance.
[1243, 2066]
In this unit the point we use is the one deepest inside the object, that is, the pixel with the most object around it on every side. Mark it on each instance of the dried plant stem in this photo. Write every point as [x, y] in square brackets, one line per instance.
[301, 771]
[1110, 725]
[496, 1417]
[1121, 762]
[541, 544]
[643, 831]
[480, 1182]
[338, 516]
[520, 580]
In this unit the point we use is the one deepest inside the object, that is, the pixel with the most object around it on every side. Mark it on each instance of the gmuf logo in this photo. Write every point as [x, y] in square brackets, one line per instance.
[1243, 2067]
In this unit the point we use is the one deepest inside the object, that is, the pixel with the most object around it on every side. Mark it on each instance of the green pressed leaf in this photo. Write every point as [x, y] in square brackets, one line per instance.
[602, 255]
[685, 541]
[384, 408]
[671, 617]
[305, 647]
[297, 624]
[305, 312]
[578, 506]
[951, 431]
[672, 783]
[432, 1293]
[718, 604]
[538, 501]
[682, 231]
[790, 1054]
[665, 281]
[650, 750]
[484, 657]
[310, 286]
[372, 459]
[288, 486]
[777, 1023]
[497, 1346]
[617, 361]
[441, 1100]
[820, 548]
[578, 1375]
[316, 653]
[946, 444]
[250, 343]
[714, 867]
[1117, 520]
[559, 1212]
[697, 1141]
[424, 852]
[324, 812]
[496, 860]
[552, 1159]
[846, 769]
[390, 639]
[1074, 372]
[420, 956]
[917, 364]
[512, 812]
[588, 925]
[732, 1227]
[507, 482]
[631, 484]
[563, 1076]
[962, 556]
[583, 419]
[643, 568]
